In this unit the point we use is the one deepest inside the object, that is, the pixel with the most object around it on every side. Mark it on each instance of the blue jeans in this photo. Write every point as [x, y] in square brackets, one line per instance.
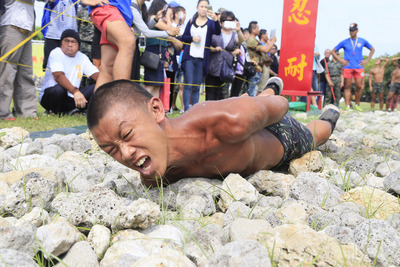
[314, 84]
[322, 87]
[193, 75]
[253, 84]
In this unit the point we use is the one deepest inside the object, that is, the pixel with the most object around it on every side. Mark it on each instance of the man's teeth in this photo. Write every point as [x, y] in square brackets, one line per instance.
[146, 168]
[141, 161]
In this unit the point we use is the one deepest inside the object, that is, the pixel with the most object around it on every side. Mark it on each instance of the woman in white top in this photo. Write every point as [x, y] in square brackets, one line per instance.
[198, 33]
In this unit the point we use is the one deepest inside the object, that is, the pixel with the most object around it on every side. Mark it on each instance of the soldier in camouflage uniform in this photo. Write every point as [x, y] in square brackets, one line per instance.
[85, 29]
[335, 80]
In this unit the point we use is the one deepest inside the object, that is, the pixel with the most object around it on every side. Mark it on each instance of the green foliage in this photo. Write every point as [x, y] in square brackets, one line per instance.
[38, 36]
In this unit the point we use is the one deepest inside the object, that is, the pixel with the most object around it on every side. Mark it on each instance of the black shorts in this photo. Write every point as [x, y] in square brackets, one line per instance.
[296, 139]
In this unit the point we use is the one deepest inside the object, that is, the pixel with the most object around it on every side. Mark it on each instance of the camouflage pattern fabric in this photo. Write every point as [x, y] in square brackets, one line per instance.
[335, 68]
[378, 88]
[395, 87]
[85, 29]
[252, 44]
[336, 89]
[335, 71]
[296, 139]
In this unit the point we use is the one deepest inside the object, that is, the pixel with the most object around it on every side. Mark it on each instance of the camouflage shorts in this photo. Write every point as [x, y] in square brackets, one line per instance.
[378, 88]
[296, 139]
[395, 87]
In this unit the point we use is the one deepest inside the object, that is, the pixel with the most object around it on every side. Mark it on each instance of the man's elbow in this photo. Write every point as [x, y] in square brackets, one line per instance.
[95, 76]
[57, 76]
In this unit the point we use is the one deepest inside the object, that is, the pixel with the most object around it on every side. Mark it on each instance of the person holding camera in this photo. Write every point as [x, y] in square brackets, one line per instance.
[224, 47]
[258, 54]
[198, 33]
[144, 27]
[154, 77]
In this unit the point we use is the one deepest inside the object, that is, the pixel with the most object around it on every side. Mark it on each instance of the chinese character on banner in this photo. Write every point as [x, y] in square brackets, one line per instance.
[297, 45]
[294, 69]
[298, 12]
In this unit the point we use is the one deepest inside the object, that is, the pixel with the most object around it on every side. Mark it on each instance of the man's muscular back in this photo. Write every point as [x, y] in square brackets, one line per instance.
[223, 140]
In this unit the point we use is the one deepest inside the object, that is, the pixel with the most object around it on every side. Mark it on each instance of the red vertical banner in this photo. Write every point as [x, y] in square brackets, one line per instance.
[297, 44]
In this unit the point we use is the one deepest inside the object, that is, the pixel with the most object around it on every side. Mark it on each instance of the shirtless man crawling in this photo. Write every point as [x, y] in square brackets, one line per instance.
[395, 84]
[377, 87]
[214, 138]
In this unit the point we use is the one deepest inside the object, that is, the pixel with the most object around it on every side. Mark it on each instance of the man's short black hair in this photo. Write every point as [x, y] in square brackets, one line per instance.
[119, 92]
[262, 32]
[252, 26]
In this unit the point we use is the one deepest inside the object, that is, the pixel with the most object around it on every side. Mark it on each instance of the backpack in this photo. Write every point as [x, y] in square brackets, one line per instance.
[248, 67]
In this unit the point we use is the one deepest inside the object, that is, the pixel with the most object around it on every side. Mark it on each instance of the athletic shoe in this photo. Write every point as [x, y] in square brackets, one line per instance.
[275, 83]
[331, 114]
[9, 119]
[47, 112]
[75, 112]
[347, 108]
[358, 108]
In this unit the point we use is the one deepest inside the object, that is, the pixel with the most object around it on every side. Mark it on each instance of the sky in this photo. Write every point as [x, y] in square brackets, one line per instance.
[378, 21]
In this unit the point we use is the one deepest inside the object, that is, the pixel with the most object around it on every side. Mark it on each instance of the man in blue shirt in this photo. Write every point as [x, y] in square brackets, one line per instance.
[353, 63]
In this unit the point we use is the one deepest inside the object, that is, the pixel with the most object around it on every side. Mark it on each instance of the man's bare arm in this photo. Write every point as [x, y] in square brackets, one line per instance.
[62, 80]
[266, 48]
[336, 56]
[370, 80]
[394, 61]
[95, 76]
[365, 61]
[240, 117]
[240, 38]
[79, 98]
[386, 62]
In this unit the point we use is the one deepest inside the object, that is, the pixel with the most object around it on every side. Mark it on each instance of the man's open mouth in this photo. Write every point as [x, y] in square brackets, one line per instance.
[144, 163]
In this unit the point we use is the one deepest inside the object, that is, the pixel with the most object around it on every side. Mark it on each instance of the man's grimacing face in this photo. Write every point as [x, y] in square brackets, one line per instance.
[70, 46]
[134, 138]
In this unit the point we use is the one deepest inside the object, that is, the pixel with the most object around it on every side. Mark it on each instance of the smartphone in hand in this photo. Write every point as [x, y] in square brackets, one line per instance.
[272, 33]
[230, 24]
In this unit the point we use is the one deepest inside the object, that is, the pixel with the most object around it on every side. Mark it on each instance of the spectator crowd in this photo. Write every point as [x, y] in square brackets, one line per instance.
[91, 42]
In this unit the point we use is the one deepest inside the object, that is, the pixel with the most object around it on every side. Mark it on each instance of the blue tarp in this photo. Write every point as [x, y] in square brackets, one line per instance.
[63, 131]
